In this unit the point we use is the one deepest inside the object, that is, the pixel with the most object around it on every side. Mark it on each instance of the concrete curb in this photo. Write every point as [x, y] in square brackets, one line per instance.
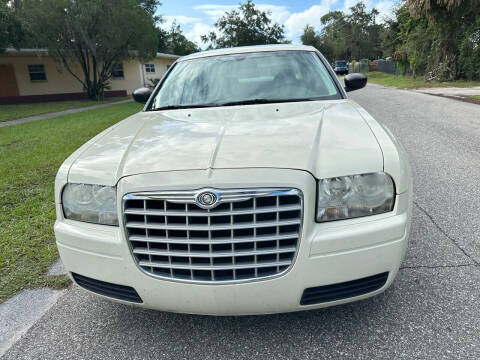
[23, 310]
[57, 269]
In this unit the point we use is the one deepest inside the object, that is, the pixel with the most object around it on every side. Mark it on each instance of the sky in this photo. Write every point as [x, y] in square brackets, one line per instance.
[197, 17]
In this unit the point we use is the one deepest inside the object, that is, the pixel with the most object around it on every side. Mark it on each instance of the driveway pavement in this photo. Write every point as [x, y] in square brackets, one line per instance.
[431, 311]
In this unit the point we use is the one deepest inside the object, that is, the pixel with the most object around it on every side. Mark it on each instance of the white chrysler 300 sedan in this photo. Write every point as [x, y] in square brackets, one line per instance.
[249, 184]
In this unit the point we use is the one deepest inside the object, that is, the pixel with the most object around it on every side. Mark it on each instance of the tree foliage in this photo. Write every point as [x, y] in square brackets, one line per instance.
[434, 8]
[437, 38]
[96, 35]
[246, 25]
[347, 36]
[11, 29]
[310, 37]
[173, 41]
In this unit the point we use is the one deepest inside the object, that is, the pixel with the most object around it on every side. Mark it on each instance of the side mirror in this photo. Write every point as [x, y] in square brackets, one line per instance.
[355, 81]
[142, 95]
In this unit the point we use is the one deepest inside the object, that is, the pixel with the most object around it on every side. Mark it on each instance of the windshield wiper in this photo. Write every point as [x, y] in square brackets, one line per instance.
[263, 101]
[248, 102]
[232, 103]
[175, 107]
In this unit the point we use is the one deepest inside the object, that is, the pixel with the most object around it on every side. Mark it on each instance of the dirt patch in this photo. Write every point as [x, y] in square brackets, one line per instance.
[470, 100]
[458, 98]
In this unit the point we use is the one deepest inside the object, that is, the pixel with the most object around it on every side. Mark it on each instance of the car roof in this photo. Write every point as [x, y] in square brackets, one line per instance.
[248, 49]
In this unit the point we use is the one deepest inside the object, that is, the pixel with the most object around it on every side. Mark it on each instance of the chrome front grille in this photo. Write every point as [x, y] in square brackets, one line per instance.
[250, 234]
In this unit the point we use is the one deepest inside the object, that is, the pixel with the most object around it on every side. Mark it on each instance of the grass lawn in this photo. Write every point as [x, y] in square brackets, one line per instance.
[30, 156]
[17, 111]
[407, 82]
[475, 97]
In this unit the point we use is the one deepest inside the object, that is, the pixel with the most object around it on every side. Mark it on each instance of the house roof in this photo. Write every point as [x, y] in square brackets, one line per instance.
[169, 56]
[44, 52]
[38, 52]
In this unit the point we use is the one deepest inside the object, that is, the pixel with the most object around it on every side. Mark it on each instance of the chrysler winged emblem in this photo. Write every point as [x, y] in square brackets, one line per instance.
[206, 199]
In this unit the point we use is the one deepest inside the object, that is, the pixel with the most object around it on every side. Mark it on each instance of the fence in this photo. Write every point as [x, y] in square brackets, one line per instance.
[385, 66]
[358, 66]
[389, 67]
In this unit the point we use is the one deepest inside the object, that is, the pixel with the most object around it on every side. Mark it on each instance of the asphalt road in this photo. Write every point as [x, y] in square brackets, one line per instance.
[432, 311]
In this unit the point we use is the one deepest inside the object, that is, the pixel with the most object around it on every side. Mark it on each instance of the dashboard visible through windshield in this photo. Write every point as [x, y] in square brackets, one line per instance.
[246, 78]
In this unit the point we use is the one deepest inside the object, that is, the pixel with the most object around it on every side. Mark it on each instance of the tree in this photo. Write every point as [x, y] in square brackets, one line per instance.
[435, 8]
[347, 36]
[436, 38]
[174, 42]
[335, 34]
[245, 26]
[95, 35]
[310, 37]
[364, 35]
[455, 33]
[11, 30]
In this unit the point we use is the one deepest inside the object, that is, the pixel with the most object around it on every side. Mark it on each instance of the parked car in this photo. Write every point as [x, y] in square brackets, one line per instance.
[341, 67]
[249, 184]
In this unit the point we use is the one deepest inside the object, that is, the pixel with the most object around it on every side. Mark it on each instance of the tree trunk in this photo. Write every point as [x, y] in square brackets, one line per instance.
[92, 91]
[97, 81]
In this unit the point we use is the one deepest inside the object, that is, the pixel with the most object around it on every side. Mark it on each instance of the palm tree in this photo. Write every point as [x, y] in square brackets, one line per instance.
[433, 8]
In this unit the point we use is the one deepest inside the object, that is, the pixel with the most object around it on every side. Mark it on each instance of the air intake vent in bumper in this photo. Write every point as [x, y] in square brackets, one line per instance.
[343, 290]
[120, 292]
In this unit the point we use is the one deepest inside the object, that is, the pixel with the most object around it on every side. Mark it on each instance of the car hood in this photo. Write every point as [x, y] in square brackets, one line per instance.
[325, 138]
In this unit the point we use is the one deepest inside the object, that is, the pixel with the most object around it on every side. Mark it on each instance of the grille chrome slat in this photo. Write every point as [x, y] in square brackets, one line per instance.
[139, 225]
[147, 251]
[202, 241]
[218, 213]
[250, 234]
[215, 267]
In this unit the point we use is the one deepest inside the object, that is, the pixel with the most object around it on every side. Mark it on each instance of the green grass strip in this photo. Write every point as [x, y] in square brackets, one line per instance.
[30, 155]
[407, 82]
[18, 111]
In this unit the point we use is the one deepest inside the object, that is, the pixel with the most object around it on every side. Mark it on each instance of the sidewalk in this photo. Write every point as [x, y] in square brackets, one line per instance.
[451, 91]
[59, 113]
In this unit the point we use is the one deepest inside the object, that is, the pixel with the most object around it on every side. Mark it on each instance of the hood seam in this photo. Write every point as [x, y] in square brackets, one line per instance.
[374, 135]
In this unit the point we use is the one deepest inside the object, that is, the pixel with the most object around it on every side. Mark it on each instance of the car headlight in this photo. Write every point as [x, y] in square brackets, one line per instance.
[354, 196]
[90, 203]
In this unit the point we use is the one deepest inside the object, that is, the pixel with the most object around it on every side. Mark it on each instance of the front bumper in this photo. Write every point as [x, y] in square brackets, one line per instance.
[328, 253]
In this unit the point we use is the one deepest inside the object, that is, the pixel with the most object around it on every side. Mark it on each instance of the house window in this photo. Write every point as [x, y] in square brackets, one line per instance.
[117, 71]
[150, 68]
[37, 72]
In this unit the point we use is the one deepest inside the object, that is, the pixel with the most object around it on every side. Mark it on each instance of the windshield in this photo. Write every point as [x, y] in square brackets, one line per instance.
[249, 77]
[341, 63]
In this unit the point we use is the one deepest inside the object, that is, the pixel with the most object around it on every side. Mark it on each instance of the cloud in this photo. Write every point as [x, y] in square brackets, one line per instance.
[385, 8]
[278, 13]
[215, 11]
[179, 19]
[296, 22]
[197, 31]
[347, 4]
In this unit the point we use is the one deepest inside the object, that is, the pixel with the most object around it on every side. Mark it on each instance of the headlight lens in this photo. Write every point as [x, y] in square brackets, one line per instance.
[354, 196]
[90, 203]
